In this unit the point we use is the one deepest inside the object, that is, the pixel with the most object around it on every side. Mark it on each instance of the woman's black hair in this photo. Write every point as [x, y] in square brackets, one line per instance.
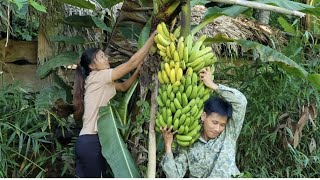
[82, 71]
[218, 105]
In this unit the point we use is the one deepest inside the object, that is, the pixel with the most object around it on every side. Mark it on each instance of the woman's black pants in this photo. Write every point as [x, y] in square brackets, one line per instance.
[89, 160]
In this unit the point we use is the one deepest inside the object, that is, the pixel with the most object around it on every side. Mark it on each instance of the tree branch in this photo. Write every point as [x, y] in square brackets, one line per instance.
[257, 5]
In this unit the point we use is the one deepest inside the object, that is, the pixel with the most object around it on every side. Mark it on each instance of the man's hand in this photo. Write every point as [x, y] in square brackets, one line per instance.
[168, 137]
[206, 77]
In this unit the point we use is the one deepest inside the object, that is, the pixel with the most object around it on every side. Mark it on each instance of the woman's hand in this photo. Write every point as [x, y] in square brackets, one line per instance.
[206, 77]
[168, 137]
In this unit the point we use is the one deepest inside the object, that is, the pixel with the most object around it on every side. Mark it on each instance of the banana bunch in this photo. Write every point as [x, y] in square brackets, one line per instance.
[181, 93]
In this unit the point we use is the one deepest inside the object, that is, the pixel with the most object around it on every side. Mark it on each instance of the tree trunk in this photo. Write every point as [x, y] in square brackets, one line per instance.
[152, 134]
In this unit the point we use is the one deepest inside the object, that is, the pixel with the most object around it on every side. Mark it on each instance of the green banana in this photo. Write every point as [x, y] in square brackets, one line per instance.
[188, 91]
[194, 92]
[164, 112]
[177, 103]
[185, 109]
[199, 67]
[160, 103]
[194, 79]
[203, 52]
[176, 124]
[182, 119]
[164, 96]
[179, 97]
[183, 143]
[181, 89]
[168, 102]
[161, 121]
[187, 121]
[194, 110]
[184, 99]
[192, 103]
[181, 130]
[169, 121]
[185, 54]
[173, 107]
[183, 137]
[169, 112]
[177, 114]
[172, 96]
[176, 32]
[186, 130]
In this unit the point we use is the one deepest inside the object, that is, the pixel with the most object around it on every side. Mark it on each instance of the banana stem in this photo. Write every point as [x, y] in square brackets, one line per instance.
[185, 18]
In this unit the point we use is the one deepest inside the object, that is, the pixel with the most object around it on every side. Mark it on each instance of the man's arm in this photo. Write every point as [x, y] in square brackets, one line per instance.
[239, 103]
[233, 96]
[173, 167]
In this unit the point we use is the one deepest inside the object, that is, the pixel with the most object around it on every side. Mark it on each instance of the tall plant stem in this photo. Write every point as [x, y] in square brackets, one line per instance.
[185, 17]
[152, 134]
[257, 5]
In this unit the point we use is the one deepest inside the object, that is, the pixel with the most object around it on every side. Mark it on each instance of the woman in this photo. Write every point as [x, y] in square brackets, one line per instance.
[213, 154]
[94, 87]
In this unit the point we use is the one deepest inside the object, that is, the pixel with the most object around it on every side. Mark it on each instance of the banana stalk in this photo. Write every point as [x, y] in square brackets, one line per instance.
[185, 18]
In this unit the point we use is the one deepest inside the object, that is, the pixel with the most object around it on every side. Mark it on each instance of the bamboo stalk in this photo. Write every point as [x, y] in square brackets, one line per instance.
[152, 134]
[257, 5]
[8, 26]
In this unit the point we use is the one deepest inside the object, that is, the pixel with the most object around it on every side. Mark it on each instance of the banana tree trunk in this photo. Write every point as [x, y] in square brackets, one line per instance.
[152, 134]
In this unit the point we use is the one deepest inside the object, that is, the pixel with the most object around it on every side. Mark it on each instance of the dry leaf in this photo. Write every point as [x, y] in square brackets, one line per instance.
[301, 123]
[312, 145]
[283, 116]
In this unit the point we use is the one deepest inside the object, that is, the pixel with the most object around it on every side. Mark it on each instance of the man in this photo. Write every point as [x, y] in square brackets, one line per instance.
[213, 154]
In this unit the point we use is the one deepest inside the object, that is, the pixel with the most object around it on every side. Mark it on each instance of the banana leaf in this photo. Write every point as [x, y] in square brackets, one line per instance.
[63, 59]
[268, 54]
[145, 33]
[123, 106]
[80, 3]
[315, 80]
[114, 149]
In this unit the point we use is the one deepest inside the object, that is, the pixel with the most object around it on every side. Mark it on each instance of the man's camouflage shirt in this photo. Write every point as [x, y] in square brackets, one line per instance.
[216, 157]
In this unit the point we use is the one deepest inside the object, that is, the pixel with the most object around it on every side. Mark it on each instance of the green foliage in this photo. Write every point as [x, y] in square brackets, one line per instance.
[85, 22]
[26, 133]
[108, 3]
[80, 3]
[266, 140]
[63, 59]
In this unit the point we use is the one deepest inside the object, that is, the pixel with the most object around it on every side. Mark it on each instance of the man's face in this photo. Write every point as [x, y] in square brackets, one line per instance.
[213, 125]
